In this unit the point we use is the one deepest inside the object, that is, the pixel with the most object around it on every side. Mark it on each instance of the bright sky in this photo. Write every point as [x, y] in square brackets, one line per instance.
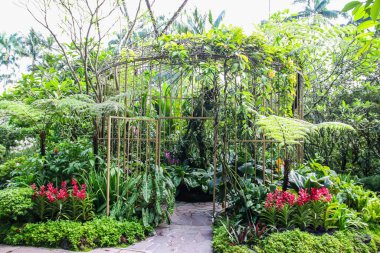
[243, 13]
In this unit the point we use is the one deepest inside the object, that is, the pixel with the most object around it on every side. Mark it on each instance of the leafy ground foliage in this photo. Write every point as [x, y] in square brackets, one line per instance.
[104, 232]
[298, 241]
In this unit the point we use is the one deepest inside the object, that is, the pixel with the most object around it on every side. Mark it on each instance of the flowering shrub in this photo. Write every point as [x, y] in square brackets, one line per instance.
[285, 209]
[279, 198]
[55, 203]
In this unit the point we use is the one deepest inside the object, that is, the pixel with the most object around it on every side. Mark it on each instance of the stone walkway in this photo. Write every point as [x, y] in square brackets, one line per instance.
[189, 232]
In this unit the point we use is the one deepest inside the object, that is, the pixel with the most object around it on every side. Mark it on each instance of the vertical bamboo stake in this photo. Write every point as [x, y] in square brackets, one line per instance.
[108, 165]
[118, 158]
[215, 148]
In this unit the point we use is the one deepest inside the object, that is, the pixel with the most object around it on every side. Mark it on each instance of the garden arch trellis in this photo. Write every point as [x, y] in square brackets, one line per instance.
[190, 96]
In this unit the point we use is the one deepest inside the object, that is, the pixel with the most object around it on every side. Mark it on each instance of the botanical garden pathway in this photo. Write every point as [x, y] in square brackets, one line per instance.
[189, 232]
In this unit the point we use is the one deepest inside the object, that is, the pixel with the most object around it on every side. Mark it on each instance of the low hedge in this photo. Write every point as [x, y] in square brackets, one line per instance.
[298, 241]
[101, 232]
[302, 242]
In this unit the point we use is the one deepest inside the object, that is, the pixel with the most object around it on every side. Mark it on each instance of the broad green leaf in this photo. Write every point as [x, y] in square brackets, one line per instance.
[147, 186]
[365, 25]
[351, 5]
[375, 10]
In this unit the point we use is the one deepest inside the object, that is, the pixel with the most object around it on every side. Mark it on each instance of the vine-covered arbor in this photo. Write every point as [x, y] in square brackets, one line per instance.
[194, 99]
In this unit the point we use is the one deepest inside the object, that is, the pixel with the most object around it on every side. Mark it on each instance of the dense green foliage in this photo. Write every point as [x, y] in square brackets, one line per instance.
[371, 183]
[11, 166]
[298, 241]
[102, 232]
[15, 203]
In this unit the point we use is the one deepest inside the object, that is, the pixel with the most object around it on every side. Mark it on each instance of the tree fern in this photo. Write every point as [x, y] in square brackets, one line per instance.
[290, 132]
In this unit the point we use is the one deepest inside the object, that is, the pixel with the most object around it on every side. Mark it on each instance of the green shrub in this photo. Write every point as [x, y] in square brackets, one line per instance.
[3, 151]
[221, 243]
[8, 167]
[102, 232]
[15, 203]
[371, 183]
[297, 241]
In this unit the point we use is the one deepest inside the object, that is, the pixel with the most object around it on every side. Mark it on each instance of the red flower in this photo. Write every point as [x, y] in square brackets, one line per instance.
[42, 191]
[74, 182]
[63, 184]
[323, 194]
[81, 194]
[279, 198]
[75, 190]
[303, 197]
[62, 194]
[50, 197]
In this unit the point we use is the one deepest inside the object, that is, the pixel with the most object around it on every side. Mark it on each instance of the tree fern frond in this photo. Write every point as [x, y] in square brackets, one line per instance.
[79, 103]
[108, 107]
[288, 131]
[284, 130]
[334, 126]
[20, 110]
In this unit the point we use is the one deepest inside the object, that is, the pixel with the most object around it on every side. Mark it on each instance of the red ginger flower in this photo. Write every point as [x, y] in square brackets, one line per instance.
[323, 194]
[52, 189]
[50, 197]
[278, 199]
[81, 194]
[62, 194]
[303, 197]
[42, 190]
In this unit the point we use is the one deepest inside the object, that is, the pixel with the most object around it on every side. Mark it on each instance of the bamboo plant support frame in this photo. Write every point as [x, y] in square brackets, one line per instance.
[144, 138]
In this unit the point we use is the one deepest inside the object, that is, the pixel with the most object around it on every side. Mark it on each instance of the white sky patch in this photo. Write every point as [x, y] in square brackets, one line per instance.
[243, 13]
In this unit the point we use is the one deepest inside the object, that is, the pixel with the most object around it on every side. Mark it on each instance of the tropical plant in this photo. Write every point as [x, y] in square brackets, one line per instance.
[241, 234]
[317, 7]
[196, 22]
[339, 216]
[52, 203]
[298, 181]
[290, 132]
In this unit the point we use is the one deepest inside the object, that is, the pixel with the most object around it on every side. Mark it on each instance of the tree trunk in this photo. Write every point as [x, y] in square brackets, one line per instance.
[43, 143]
[95, 144]
[285, 183]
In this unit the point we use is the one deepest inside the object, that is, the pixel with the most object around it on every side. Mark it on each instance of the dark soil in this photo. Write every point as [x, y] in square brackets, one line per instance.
[192, 194]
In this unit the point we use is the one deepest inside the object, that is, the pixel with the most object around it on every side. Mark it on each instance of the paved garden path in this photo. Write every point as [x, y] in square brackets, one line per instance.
[189, 232]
